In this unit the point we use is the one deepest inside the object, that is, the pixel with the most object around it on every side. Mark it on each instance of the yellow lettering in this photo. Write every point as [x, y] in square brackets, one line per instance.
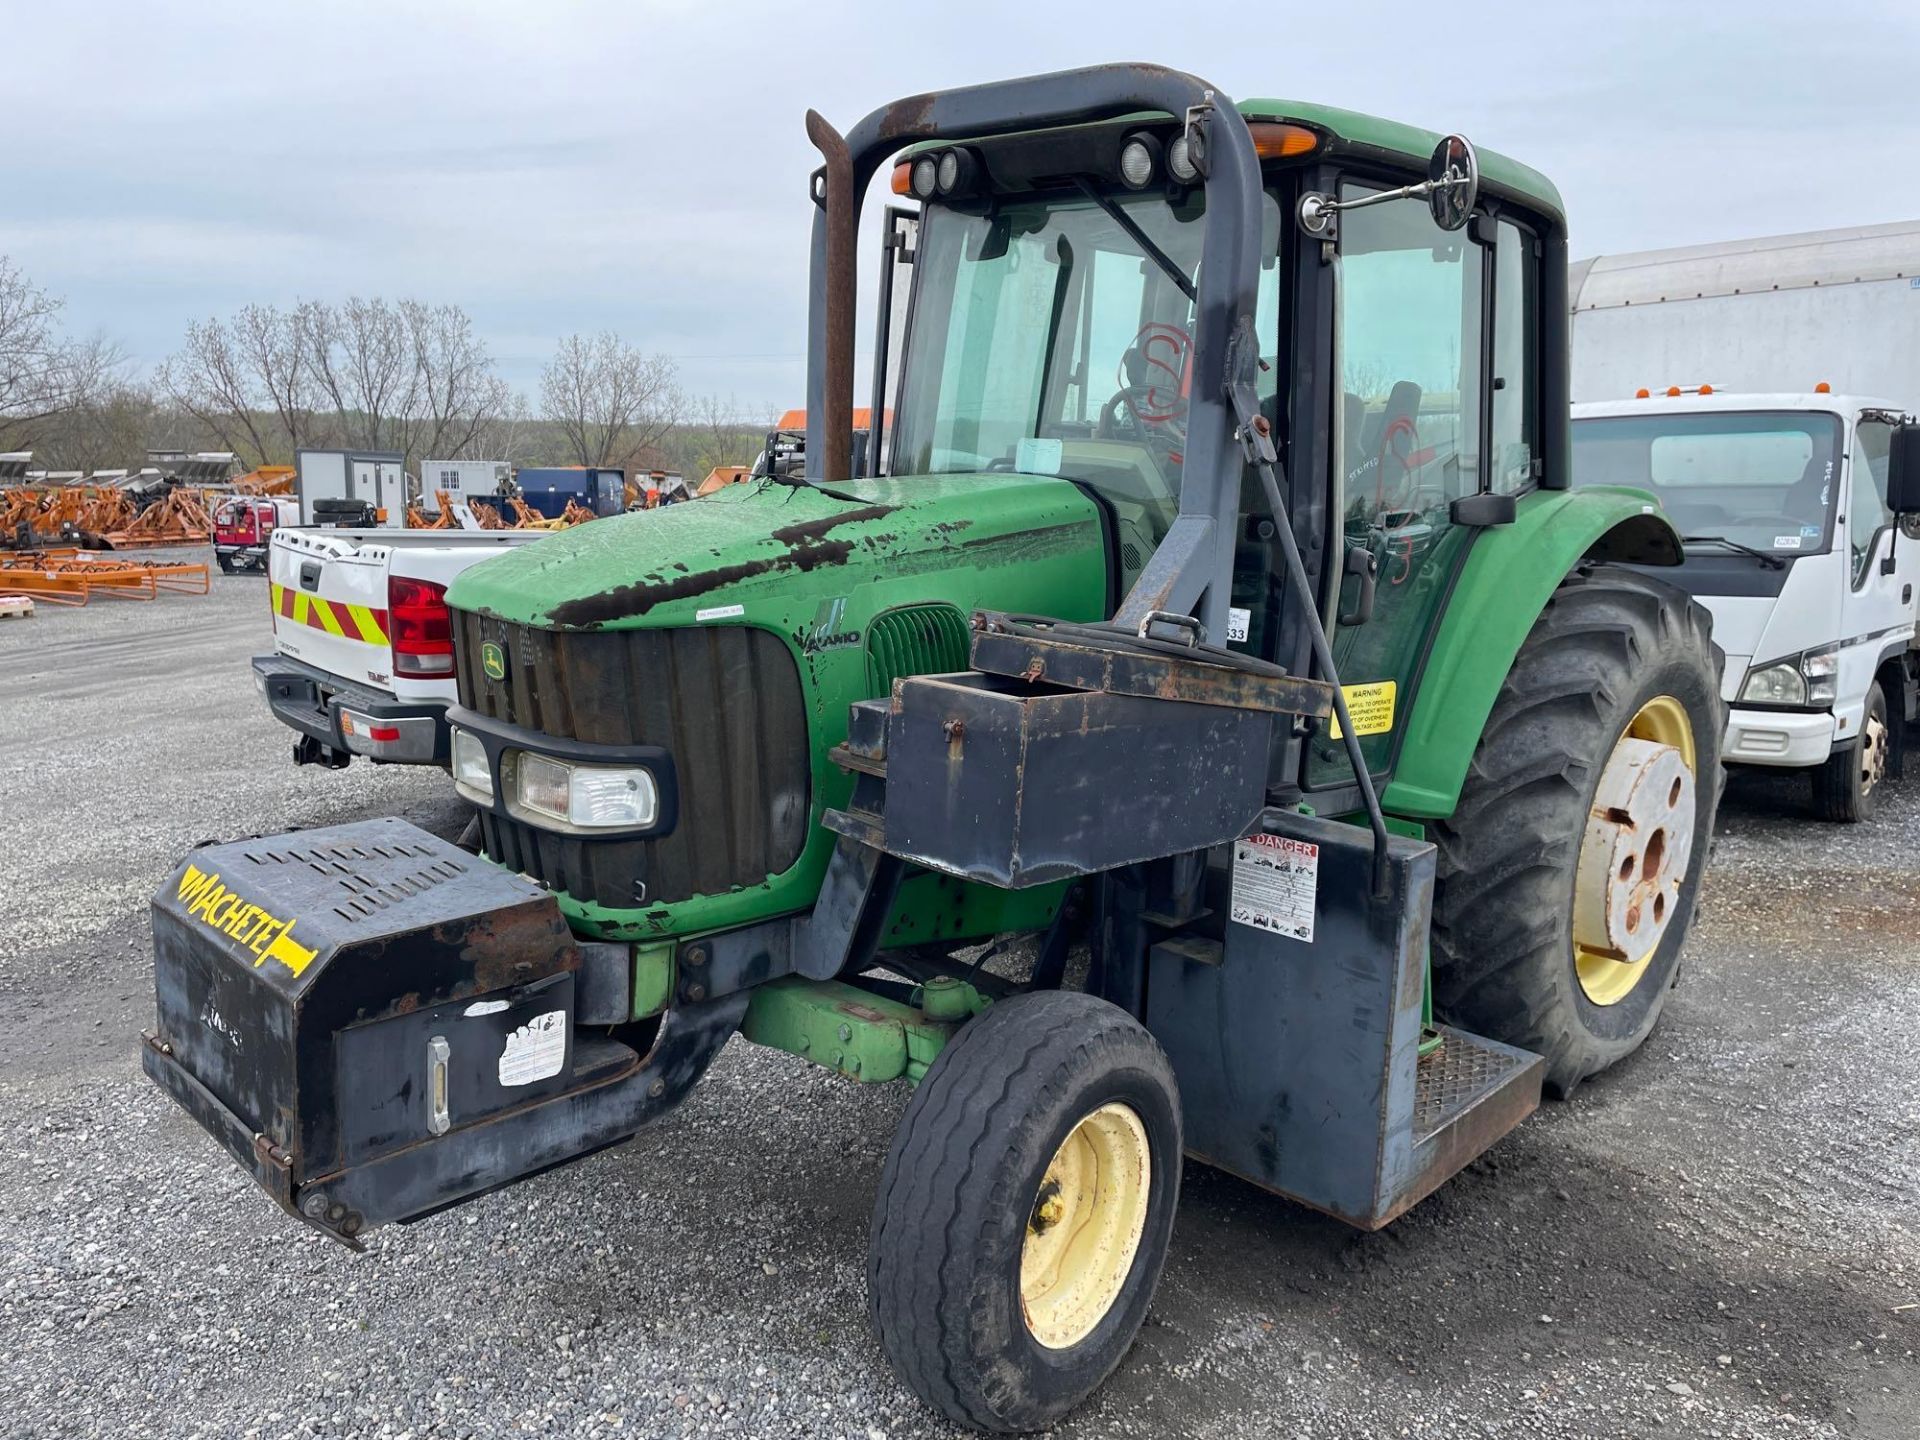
[295, 957]
[222, 909]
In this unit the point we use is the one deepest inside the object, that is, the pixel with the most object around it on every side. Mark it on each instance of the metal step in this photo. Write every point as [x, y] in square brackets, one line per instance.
[1467, 1095]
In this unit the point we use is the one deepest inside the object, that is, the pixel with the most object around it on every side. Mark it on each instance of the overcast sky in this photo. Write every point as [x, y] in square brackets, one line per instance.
[640, 166]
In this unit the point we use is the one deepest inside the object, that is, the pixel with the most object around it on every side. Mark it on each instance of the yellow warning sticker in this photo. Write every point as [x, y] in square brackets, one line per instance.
[217, 907]
[1371, 706]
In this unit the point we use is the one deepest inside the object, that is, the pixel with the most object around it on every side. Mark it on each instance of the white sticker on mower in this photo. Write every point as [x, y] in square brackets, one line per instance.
[535, 1051]
[1275, 883]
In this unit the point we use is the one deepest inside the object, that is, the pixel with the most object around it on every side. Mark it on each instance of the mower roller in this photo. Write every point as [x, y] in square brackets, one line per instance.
[1212, 638]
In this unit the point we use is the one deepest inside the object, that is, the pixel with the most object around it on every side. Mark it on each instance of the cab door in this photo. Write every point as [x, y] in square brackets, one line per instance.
[1435, 402]
[1883, 568]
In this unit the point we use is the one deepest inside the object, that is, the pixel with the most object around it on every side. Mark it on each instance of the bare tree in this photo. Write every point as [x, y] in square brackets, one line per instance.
[362, 361]
[406, 376]
[274, 343]
[213, 380]
[718, 432]
[609, 401]
[505, 433]
[455, 391]
[36, 369]
[112, 420]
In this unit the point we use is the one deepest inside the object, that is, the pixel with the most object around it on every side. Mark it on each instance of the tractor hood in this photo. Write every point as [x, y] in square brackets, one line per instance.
[748, 551]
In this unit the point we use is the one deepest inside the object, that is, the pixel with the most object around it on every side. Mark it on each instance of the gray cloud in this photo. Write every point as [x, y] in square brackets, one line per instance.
[641, 166]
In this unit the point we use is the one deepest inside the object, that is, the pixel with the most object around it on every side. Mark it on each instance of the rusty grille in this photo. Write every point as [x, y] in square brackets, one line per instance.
[1454, 1077]
[723, 700]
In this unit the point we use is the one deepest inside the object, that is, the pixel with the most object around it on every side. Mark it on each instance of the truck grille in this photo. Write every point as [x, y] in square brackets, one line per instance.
[723, 700]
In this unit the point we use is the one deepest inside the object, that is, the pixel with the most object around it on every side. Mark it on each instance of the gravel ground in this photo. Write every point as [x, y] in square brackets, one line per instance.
[1719, 1239]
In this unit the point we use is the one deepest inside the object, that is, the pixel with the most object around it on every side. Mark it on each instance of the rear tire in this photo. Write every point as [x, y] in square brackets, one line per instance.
[1053, 1116]
[1612, 648]
[1847, 786]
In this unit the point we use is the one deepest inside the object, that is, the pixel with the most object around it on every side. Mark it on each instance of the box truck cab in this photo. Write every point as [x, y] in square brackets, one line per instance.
[1796, 514]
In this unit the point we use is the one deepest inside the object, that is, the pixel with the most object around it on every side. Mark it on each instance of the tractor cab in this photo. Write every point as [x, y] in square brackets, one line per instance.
[1402, 366]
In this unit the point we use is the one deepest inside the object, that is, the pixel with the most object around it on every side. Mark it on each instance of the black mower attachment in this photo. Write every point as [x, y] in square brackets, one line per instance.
[376, 1025]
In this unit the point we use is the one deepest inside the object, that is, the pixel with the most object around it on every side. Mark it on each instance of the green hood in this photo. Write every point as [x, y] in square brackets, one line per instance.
[763, 547]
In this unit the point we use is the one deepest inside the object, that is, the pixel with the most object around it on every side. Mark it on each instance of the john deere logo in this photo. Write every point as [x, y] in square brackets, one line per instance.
[493, 660]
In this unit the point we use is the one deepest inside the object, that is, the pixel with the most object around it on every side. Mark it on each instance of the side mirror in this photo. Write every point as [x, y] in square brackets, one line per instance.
[1451, 190]
[1453, 178]
[1903, 470]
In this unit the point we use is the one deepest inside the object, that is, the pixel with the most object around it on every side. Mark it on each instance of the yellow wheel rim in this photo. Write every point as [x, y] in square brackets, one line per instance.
[1636, 872]
[1085, 1226]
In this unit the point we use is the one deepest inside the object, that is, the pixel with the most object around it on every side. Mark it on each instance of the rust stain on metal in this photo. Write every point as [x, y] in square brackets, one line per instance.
[806, 549]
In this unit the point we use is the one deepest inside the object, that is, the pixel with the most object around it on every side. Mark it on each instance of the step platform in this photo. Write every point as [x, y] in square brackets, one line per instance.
[1297, 1037]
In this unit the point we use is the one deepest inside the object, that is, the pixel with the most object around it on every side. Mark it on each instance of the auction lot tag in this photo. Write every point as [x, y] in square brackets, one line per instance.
[1371, 707]
[1275, 881]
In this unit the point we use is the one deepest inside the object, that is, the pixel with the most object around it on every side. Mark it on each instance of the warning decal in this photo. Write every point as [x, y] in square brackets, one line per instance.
[1275, 881]
[1371, 707]
[535, 1051]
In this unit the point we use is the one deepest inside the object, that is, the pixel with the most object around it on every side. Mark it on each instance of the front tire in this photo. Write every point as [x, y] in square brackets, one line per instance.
[1847, 786]
[1025, 1211]
[1568, 872]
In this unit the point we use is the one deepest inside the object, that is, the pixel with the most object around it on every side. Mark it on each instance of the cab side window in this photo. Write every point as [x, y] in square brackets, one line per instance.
[1515, 443]
[1409, 331]
[1867, 512]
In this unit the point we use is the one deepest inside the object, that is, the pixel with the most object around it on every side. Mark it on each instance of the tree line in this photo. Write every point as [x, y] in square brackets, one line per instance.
[369, 374]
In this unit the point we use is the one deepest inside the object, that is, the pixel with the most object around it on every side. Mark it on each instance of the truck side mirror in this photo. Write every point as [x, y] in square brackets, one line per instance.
[1903, 470]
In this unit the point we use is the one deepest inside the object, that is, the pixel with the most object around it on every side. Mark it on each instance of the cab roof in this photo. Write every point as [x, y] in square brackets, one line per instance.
[1355, 133]
[1406, 146]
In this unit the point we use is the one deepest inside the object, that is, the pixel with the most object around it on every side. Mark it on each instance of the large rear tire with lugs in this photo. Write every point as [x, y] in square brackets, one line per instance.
[1568, 872]
[1025, 1210]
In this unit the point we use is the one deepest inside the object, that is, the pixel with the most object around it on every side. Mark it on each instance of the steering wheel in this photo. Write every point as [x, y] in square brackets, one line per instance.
[1155, 375]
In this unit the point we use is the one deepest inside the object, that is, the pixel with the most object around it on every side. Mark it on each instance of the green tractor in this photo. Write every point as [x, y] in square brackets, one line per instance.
[1209, 633]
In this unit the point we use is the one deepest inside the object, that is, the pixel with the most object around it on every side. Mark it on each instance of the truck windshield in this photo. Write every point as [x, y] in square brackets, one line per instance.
[1760, 479]
[1047, 339]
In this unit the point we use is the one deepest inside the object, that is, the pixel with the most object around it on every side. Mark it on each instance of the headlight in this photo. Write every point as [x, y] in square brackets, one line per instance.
[1180, 160]
[593, 797]
[1822, 669]
[472, 776]
[926, 176]
[1775, 685]
[1136, 161]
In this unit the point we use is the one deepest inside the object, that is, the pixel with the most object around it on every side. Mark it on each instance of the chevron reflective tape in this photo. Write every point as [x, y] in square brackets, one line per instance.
[335, 617]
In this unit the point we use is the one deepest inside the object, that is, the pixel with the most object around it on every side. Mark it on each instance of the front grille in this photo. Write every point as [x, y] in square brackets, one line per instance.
[723, 700]
[915, 640]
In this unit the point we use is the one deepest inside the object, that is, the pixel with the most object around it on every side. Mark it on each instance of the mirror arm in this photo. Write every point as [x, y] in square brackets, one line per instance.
[1318, 210]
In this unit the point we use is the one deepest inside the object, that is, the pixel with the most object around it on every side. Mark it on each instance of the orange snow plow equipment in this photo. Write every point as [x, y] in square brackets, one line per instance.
[67, 577]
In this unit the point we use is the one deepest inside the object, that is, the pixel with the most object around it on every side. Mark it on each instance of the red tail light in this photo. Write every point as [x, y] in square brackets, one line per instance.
[420, 627]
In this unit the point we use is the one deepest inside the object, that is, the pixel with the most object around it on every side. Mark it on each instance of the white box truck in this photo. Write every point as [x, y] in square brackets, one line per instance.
[1762, 390]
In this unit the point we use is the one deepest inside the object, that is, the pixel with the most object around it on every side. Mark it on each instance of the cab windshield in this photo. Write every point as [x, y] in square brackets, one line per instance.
[1764, 480]
[1052, 336]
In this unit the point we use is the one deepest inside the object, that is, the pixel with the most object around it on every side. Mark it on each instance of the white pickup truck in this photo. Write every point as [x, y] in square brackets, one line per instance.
[363, 649]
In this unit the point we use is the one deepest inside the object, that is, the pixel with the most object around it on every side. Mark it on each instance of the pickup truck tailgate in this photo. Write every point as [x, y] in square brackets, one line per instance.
[329, 600]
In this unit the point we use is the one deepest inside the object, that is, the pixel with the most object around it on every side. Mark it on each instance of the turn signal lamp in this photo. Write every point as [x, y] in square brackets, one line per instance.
[903, 177]
[1275, 141]
[1673, 390]
[1706, 390]
[1642, 393]
[1823, 388]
